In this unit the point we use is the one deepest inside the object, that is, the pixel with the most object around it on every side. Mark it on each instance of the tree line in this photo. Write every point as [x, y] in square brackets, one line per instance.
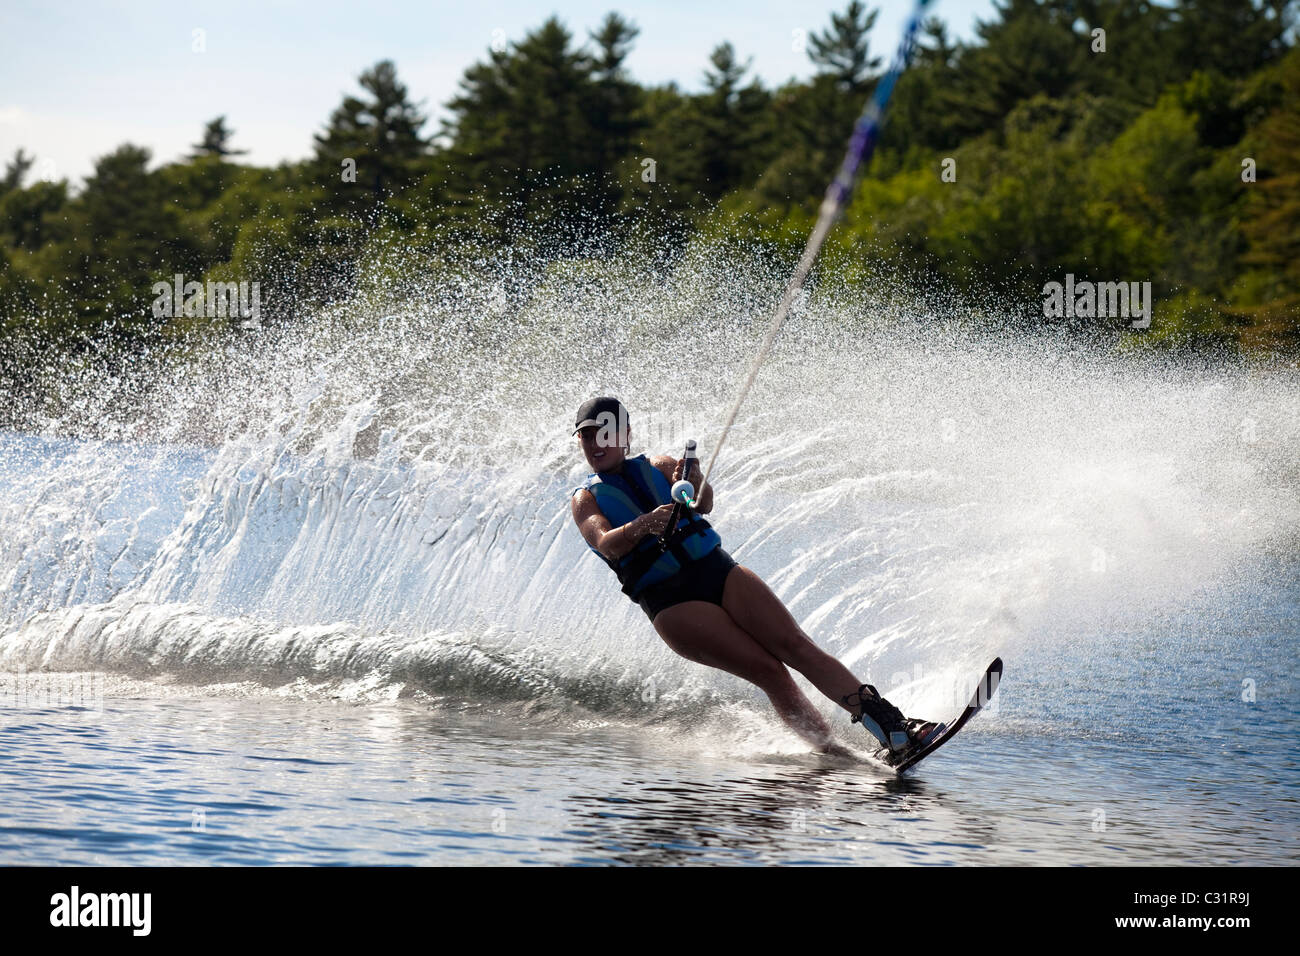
[1110, 139]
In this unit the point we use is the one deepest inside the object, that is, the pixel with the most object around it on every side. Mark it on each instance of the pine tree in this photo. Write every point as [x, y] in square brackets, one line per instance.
[16, 171]
[31, 217]
[1234, 37]
[614, 108]
[125, 236]
[731, 123]
[843, 51]
[372, 147]
[216, 141]
[920, 115]
[524, 140]
[1030, 50]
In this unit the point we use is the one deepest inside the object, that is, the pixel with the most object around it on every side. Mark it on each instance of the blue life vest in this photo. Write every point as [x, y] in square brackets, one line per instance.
[638, 489]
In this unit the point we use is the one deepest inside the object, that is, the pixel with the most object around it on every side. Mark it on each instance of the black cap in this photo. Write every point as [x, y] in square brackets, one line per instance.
[592, 411]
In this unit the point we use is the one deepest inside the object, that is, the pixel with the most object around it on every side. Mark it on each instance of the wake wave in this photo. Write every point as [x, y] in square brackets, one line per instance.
[383, 497]
[143, 640]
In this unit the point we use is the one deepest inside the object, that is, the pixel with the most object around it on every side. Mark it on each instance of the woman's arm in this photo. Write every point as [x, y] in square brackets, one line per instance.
[613, 542]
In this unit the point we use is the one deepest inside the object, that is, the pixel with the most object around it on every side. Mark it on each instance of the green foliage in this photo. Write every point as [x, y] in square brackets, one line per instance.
[729, 126]
[15, 171]
[1117, 165]
[521, 130]
[842, 52]
[31, 217]
[1271, 222]
[372, 148]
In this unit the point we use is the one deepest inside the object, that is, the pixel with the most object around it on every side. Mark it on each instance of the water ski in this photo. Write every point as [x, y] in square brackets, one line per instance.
[906, 759]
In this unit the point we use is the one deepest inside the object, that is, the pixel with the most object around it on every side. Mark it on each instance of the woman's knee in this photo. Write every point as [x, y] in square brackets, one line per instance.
[804, 654]
[748, 659]
[770, 674]
[791, 646]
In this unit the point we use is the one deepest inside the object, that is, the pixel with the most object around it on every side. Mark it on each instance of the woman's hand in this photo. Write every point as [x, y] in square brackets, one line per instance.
[695, 477]
[653, 522]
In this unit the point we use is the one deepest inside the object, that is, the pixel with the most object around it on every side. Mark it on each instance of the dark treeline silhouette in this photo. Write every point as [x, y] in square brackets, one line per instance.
[1172, 156]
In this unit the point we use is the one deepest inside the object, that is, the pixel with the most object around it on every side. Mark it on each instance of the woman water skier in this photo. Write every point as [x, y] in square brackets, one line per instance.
[704, 605]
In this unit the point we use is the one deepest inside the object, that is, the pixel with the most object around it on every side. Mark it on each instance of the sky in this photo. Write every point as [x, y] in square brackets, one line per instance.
[78, 79]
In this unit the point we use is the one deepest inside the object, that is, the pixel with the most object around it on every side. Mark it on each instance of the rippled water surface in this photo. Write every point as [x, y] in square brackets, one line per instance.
[1067, 769]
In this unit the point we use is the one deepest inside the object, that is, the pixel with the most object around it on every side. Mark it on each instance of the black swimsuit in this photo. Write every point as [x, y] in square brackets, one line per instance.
[700, 580]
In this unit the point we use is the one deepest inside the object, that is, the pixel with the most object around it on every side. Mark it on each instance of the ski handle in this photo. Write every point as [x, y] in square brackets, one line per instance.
[678, 507]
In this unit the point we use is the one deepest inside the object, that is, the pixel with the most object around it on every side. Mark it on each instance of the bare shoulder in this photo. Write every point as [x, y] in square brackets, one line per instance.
[591, 521]
[583, 505]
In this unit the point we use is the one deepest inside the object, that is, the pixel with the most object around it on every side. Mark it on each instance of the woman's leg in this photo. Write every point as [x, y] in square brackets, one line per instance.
[753, 606]
[705, 633]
